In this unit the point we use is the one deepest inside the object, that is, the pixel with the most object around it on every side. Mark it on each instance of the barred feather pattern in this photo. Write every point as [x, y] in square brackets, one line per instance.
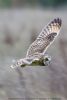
[38, 47]
[45, 38]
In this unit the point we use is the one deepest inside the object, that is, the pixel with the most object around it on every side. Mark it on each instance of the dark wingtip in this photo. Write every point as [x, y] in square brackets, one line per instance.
[58, 20]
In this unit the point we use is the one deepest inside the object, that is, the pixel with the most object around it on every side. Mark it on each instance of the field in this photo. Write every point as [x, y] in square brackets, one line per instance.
[18, 29]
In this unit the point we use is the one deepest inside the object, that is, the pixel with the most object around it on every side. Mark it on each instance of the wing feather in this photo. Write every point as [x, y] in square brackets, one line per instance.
[46, 37]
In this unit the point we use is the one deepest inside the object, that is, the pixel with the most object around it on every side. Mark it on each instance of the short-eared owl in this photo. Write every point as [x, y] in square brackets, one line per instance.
[38, 47]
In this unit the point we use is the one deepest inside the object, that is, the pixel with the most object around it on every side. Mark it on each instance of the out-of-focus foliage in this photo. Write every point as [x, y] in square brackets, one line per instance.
[52, 2]
[4, 3]
[44, 3]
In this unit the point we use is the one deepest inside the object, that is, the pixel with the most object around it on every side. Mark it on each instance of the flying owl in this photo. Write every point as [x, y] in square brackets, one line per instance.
[38, 48]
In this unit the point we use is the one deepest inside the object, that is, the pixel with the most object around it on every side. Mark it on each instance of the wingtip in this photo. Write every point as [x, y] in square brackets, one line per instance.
[58, 20]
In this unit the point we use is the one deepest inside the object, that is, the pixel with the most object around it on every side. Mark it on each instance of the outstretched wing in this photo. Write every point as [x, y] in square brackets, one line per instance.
[45, 38]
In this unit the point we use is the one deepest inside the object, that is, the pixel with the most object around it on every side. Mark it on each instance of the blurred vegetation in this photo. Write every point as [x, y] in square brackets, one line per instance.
[44, 3]
[4, 3]
[53, 3]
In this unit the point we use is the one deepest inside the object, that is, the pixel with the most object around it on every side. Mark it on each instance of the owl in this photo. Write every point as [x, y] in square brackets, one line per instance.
[38, 48]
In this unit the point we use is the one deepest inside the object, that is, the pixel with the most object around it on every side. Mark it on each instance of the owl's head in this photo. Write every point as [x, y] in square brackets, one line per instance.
[51, 36]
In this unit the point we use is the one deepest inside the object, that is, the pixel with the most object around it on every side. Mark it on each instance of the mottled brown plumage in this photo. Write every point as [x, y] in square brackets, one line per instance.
[37, 49]
[45, 38]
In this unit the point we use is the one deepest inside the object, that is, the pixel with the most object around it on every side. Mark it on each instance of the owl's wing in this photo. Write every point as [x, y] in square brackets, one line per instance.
[45, 38]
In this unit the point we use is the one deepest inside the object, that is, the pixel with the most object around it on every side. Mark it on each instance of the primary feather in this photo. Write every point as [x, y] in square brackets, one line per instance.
[45, 38]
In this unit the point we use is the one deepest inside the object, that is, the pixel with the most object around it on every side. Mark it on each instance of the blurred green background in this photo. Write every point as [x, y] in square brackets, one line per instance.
[44, 3]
